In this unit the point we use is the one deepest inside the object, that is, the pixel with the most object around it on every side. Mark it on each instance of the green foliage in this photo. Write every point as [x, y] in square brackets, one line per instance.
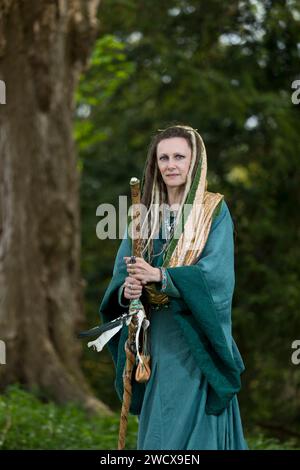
[27, 423]
[261, 442]
[225, 68]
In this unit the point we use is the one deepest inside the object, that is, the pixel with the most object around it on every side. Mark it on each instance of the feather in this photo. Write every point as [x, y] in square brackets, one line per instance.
[101, 341]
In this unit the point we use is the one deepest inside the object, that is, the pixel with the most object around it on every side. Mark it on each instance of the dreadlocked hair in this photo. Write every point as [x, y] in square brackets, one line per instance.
[154, 191]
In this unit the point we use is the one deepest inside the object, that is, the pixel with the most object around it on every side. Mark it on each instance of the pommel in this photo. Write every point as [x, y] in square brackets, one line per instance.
[134, 181]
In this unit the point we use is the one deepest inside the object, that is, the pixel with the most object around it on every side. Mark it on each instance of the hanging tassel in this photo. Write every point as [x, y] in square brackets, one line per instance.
[143, 370]
[141, 316]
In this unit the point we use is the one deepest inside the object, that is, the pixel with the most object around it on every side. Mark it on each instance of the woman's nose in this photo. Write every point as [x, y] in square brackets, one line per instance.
[171, 165]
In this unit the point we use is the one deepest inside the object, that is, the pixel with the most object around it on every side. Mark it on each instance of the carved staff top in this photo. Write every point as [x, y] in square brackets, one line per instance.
[136, 216]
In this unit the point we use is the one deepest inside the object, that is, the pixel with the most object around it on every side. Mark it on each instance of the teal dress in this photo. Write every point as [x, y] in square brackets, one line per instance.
[190, 401]
[173, 413]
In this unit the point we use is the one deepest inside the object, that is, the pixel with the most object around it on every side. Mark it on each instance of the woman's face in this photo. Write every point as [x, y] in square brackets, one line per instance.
[173, 158]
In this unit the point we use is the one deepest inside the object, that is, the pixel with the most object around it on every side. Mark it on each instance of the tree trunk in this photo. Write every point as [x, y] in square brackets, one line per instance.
[44, 45]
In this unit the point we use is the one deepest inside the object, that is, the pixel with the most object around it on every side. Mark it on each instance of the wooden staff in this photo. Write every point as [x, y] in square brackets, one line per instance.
[135, 304]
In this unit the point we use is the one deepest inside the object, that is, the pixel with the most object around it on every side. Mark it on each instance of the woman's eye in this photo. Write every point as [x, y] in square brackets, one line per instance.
[179, 157]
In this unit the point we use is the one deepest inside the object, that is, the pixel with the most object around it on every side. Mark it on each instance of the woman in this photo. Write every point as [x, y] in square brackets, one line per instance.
[186, 279]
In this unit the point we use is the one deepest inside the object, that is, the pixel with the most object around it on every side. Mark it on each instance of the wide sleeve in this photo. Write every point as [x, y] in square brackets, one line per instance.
[217, 266]
[109, 306]
[109, 309]
[207, 289]
[170, 288]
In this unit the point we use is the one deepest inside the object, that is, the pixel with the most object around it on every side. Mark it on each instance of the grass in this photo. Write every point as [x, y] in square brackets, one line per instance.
[28, 423]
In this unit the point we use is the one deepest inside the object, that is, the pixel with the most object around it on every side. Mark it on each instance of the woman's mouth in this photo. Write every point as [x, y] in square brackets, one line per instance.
[171, 176]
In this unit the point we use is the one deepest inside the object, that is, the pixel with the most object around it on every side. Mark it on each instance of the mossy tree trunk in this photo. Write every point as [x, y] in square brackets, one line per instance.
[43, 47]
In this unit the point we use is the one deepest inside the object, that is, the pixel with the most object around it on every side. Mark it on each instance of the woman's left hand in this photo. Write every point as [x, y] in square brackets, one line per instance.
[142, 270]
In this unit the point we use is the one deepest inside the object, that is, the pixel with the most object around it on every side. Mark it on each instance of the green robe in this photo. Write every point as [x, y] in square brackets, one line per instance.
[196, 365]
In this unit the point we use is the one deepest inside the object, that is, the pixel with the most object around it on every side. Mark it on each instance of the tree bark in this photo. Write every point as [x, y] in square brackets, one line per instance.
[44, 45]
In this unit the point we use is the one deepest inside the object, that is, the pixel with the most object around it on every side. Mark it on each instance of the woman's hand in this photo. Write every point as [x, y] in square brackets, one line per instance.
[133, 288]
[142, 271]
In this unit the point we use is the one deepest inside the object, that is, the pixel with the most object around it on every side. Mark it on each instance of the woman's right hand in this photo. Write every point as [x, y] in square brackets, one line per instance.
[133, 292]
